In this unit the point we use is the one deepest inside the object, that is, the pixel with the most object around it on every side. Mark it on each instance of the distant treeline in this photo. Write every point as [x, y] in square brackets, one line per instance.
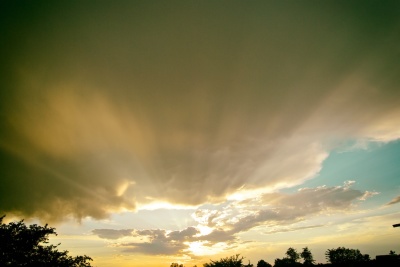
[336, 257]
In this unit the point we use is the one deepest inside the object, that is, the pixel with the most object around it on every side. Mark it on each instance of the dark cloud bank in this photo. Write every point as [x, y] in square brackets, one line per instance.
[106, 105]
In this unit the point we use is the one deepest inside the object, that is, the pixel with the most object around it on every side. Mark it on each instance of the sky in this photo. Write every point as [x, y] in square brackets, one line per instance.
[152, 132]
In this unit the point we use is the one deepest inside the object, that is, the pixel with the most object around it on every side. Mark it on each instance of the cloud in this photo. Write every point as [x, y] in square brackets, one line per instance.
[292, 229]
[156, 241]
[278, 209]
[217, 236]
[156, 234]
[184, 235]
[112, 234]
[156, 247]
[275, 212]
[368, 194]
[102, 117]
[394, 201]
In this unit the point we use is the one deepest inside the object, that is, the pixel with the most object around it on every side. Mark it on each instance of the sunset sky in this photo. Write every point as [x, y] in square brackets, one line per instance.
[152, 132]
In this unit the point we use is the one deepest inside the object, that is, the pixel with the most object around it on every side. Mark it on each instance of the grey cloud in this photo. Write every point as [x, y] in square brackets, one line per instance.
[175, 103]
[184, 235]
[219, 235]
[394, 201]
[153, 234]
[161, 235]
[112, 233]
[160, 241]
[156, 247]
[157, 234]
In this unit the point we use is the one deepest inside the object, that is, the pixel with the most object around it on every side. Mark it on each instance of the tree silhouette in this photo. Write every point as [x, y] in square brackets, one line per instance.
[285, 262]
[307, 256]
[26, 246]
[233, 261]
[341, 256]
[263, 263]
[292, 255]
[291, 259]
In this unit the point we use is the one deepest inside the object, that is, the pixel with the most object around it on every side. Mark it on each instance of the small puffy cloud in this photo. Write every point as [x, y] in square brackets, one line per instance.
[394, 201]
[368, 194]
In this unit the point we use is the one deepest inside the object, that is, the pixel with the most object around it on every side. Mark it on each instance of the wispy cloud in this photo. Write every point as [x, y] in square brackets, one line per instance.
[292, 229]
[394, 201]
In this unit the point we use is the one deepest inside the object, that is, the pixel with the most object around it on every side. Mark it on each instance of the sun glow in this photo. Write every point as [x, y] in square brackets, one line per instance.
[204, 230]
[198, 249]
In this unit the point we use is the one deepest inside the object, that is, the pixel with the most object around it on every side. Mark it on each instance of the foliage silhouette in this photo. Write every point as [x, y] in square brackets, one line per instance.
[307, 257]
[286, 262]
[291, 259]
[26, 246]
[340, 257]
[233, 261]
[292, 255]
[263, 263]
[343, 256]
